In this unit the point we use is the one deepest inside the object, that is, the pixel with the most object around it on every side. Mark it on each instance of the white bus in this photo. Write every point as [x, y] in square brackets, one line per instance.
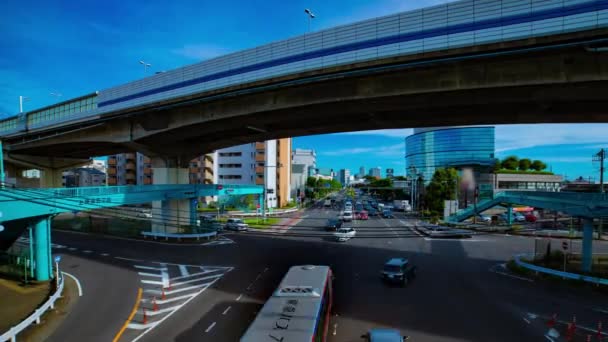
[298, 310]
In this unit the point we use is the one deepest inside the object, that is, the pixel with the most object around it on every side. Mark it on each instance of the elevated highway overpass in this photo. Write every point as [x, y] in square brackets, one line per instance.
[462, 63]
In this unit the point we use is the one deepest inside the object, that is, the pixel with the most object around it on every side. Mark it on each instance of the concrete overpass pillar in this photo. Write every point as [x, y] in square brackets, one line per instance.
[42, 249]
[169, 215]
[587, 245]
[51, 178]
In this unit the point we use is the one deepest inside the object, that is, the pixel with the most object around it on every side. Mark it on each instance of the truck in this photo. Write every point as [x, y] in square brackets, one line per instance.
[402, 205]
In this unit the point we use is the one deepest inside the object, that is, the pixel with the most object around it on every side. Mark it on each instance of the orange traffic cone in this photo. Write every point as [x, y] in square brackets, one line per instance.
[154, 306]
[145, 320]
[163, 294]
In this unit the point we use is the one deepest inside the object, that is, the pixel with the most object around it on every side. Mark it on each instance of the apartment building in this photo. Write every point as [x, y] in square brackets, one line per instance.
[265, 163]
[129, 169]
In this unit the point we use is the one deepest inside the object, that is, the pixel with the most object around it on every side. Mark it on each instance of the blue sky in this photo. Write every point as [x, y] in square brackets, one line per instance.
[75, 48]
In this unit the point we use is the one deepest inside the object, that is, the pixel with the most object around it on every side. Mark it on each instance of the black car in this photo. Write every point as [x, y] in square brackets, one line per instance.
[387, 214]
[333, 224]
[398, 270]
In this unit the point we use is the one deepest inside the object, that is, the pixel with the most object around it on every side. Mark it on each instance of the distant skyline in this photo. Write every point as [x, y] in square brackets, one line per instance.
[566, 148]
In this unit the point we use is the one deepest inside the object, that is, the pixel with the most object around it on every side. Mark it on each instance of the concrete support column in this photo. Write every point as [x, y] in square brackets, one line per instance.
[169, 215]
[587, 245]
[51, 178]
[42, 249]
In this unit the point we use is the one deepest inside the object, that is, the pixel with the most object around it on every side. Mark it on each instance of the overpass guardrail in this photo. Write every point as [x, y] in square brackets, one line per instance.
[556, 273]
[11, 334]
[179, 236]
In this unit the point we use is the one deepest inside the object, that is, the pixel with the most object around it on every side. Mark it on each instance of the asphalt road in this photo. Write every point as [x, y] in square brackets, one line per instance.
[456, 296]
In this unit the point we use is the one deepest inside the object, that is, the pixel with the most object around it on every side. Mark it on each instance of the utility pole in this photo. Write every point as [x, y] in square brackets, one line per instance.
[601, 156]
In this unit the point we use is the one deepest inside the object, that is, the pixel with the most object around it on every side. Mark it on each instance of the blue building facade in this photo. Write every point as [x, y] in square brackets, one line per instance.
[459, 147]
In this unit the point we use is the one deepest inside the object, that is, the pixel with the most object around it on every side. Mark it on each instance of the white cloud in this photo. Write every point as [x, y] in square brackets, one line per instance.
[386, 151]
[394, 133]
[513, 137]
[201, 51]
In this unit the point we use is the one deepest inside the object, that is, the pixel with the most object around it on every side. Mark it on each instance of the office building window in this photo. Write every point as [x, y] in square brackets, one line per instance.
[231, 154]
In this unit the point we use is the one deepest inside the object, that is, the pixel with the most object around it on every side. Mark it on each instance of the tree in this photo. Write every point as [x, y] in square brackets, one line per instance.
[311, 182]
[369, 178]
[510, 163]
[524, 164]
[442, 187]
[538, 165]
[497, 166]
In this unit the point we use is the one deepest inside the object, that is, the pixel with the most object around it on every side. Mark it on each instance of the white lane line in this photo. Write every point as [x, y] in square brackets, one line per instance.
[239, 297]
[77, 283]
[139, 326]
[549, 338]
[257, 277]
[526, 320]
[226, 311]
[150, 268]
[105, 254]
[210, 327]
[87, 251]
[183, 270]
[265, 269]
[161, 311]
[512, 276]
[72, 249]
[158, 292]
[335, 328]
[600, 310]
[249, 287]
[165, 301]
[179, 283]
[144, 274]
[128, 259]
[194, 275]
[151, 282]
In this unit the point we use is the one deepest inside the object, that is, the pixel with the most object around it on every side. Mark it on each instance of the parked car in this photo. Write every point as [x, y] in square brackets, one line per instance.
[483, 218]
[209, 222]
[398, 270]
[372, 212]
[531, 217]
[384, 335]
[344, 234]
[362, 215]
[236, 224]
[387, 214]
[333, 224]
[347, 216]
[144, 214]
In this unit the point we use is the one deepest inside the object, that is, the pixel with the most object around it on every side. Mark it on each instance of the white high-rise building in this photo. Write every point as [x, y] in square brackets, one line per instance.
[261, 163]
[306, 157]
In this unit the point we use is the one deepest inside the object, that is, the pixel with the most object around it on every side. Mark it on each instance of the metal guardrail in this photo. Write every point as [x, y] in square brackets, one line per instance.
[11, 334]
[556, 273]
[179, 236]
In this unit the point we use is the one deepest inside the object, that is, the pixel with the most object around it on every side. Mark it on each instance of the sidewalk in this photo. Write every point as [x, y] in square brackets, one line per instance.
[19, 301]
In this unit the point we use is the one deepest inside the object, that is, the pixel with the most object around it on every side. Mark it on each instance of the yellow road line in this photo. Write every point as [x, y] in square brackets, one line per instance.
[122, 330]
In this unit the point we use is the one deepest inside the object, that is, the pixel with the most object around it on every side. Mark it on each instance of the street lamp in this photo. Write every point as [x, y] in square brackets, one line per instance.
[310, 16]
[21, 100]
[146, 65]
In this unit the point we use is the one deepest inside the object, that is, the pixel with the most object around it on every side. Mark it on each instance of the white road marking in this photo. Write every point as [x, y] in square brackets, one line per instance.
[165, 276]
[179, 283]
[144, 274]
[210, 327]
[257, 277]
[511, 275]
[454, 239]
[549, 338]
[151, 282]
[265, 269]
[128, 259]
[600, 310]
[226, 311]
[239, 297]
[526, 320]
[77, 283]
[335, 328]
[105, 254]
[170, 292]
[139, 326]
[87, 251]
[165, 301]
[150, 268]
[162, 311]
[72, 249]
[193, 275]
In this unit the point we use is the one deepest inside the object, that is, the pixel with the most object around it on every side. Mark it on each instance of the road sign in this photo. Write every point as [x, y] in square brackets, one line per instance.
[57, 258]
[565, 245]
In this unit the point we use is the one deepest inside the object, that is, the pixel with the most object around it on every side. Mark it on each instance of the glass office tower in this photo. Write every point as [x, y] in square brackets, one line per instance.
[458, 147]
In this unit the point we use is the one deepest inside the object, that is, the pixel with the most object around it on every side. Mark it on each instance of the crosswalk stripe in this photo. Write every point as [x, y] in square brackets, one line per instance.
[183, 270]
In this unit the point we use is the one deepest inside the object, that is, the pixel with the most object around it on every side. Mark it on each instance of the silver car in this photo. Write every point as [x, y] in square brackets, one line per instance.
[237, 225]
